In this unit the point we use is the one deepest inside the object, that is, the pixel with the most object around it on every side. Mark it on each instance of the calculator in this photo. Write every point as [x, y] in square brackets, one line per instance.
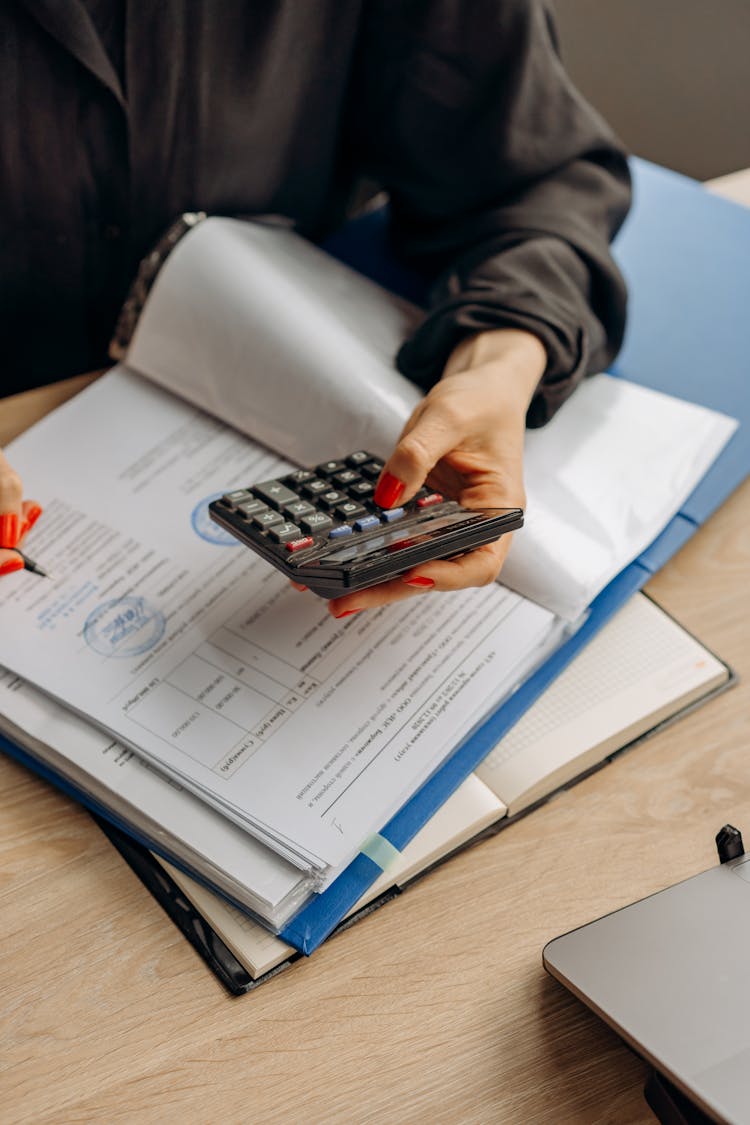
[322, 528]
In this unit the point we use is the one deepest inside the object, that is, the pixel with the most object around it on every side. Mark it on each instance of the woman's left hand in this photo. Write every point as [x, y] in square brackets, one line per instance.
[17, 516]
[465, 439]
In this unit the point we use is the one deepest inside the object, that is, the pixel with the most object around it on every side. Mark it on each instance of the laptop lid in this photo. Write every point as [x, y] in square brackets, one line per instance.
[671, 974]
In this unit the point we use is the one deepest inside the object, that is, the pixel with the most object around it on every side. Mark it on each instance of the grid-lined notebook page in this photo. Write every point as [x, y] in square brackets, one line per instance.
[639, 670]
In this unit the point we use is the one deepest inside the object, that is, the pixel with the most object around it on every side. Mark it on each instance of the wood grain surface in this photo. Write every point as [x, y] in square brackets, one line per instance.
[434, 1009]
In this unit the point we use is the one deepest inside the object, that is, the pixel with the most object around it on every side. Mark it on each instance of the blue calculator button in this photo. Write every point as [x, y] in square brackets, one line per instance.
[337, 532]
[366, 522]
[393, 514]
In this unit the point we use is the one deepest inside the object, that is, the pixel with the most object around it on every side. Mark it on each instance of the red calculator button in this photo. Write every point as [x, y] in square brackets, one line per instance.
[427, 501]
[300, 544]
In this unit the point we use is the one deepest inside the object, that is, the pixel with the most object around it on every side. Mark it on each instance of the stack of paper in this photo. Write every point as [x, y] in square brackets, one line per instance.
[291, 729]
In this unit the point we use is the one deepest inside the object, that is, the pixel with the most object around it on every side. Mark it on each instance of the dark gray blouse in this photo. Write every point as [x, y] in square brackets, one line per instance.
[504, 184]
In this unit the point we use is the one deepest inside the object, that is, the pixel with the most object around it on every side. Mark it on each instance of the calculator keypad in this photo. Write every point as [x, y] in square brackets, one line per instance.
[308, 508]
[322, 528]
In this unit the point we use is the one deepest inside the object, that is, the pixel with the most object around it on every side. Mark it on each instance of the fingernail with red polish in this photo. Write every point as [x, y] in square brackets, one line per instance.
[389, 491]
[32, 516]
[347, 613]
[9, 530]
[420, 582]
[11, 565]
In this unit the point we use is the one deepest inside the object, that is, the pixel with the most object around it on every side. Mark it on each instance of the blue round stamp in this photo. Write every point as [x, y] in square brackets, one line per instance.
[204, 526]
[124, 627]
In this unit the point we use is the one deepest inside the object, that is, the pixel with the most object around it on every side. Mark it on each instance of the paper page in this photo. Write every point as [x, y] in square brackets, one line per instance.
[603, 478]
[640, 669]
[253, 946]
[260, 328]
[173, 817]
[308, 731]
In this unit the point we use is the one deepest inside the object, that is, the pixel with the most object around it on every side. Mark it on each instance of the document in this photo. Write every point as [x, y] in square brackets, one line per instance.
[160, 811]
[236, 299]
[307, 731]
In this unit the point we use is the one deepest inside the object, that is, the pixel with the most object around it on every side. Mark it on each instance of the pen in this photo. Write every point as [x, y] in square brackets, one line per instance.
[29, 564]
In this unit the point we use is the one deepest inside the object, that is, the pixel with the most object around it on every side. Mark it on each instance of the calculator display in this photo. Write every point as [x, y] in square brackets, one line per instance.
[398, 538]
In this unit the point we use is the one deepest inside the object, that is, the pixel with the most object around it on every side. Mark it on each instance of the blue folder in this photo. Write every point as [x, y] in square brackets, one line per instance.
[685, 256]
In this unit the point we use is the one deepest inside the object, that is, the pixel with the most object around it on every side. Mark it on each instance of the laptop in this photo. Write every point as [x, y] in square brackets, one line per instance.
[671, 975]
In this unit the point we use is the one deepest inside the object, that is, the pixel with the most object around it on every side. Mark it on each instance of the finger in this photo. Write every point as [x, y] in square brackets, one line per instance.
[11, 494]
[10, 561]
[437, 430]
[30, 513]
[476, 568]
[297, 585]
[371, 598]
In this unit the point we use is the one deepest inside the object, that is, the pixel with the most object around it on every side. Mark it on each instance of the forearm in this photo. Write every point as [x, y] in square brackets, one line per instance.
[541, 286]
[512, 361]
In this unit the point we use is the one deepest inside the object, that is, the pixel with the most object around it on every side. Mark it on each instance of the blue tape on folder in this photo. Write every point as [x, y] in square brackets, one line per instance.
[684, 254]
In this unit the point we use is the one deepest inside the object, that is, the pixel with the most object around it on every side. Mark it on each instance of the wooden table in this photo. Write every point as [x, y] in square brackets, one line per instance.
[436, 1008]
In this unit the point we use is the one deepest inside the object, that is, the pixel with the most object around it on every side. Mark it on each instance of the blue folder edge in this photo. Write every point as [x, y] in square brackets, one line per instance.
[678, 245]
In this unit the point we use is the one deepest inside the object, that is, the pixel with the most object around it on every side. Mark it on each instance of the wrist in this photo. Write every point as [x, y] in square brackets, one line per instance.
[512, 356]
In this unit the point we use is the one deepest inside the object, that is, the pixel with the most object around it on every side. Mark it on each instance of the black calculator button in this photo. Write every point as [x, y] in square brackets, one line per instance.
[372, 470]
[314, 487]
[299, 476]
[284, 532]
[361, 490]
[236, 497]
[350, 511]
[366, 523]
[316, 522]
[275, 493]
[268, 519]
[298, 508]
[346, 478]
[251, 507]
[299, 544]
[330, 468]
[340, 531]
[358, 458]
[330, 499]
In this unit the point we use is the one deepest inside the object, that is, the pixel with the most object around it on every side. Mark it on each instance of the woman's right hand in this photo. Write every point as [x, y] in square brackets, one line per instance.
[17, 516]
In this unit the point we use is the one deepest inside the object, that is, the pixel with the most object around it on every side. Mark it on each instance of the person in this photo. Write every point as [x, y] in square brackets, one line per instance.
[504, 186]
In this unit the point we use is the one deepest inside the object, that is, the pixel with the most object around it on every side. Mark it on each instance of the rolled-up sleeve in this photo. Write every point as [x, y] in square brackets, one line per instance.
[504, 184]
